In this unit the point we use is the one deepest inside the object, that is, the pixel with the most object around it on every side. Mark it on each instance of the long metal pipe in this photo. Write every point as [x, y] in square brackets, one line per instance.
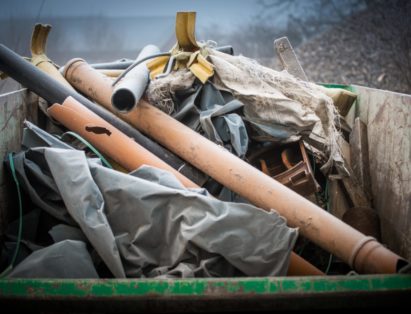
[362, 253]
[54, 92]
[131, 87]
[97, 86]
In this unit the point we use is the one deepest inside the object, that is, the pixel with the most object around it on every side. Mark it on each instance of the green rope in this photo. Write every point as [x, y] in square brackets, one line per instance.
[91, 147]
[329, 264]
[16, 251]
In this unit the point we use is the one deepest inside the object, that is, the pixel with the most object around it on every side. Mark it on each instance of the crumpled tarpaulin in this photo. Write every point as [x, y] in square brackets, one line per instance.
[146, 224]
[276, 105]
[65, 259]
[203, 108]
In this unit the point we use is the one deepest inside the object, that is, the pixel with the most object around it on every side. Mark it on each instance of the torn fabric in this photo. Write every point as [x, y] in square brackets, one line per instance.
[280, 102]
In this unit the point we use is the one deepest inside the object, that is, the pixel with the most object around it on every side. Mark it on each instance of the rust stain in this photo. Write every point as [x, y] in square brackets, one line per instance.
[98, 130]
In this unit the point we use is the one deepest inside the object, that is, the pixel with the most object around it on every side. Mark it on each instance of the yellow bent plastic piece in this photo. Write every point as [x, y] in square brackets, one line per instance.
[157, 66]
[202, 69]
[185, 31]
[187, 52]
[38, 53]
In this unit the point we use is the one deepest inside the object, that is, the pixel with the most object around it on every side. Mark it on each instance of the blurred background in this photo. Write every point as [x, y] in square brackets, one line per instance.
[365, 42]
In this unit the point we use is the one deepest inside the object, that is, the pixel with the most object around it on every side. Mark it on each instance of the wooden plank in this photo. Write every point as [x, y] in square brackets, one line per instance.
[359, 155]
[15, 107]
[339, 204]
[388, 118]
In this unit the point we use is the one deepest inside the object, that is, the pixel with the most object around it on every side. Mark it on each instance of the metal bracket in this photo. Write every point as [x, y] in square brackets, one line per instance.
[288, 58]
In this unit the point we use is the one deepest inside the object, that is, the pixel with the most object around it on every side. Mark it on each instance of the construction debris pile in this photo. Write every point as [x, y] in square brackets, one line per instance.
[188, 163]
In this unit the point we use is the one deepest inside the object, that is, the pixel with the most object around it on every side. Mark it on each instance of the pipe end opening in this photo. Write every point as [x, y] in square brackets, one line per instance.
[123, 100]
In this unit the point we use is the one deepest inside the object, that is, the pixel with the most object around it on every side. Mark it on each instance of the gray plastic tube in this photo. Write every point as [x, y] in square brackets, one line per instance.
[130, 89]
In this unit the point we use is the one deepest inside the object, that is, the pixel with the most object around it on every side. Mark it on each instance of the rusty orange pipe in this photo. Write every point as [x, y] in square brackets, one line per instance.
[363, 254]
[98, 87]
[131, 155]
[108, 139]
[360, 252]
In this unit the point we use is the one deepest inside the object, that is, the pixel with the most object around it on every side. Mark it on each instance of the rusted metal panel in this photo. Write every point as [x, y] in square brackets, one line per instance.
[288, 58]
[207, 295]
[388, 119]
[15, 107]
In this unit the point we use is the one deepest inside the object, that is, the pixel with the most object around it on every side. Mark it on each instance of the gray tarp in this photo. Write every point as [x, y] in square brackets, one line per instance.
[160, 228]
[66, 259]
[203, 108]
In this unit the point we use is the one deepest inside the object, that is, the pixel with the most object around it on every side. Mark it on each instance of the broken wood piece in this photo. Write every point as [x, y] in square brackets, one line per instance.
[351, 184]
[288, 58]
[359, 155]
[342, 98]
[338, 202]
[364, 219]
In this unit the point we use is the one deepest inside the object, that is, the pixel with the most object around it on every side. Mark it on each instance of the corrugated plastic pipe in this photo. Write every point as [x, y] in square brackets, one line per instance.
[362, 253]
[97, 86]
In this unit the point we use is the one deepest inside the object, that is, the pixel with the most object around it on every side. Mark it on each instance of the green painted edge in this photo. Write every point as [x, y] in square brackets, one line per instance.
[105, 288]
[342, 86]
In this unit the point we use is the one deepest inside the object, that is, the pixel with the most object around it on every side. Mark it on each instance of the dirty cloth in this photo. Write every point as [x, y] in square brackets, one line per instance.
[203, 108]
[66, 259]
[146, 224]
[279, 105]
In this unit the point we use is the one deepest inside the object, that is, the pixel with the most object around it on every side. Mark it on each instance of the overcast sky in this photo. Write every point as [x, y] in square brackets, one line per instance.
[227, 13]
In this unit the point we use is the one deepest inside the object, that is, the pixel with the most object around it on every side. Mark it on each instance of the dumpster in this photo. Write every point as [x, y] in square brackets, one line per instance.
[387, 116]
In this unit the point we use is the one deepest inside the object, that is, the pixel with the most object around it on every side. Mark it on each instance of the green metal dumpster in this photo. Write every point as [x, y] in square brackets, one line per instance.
[388, 119]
